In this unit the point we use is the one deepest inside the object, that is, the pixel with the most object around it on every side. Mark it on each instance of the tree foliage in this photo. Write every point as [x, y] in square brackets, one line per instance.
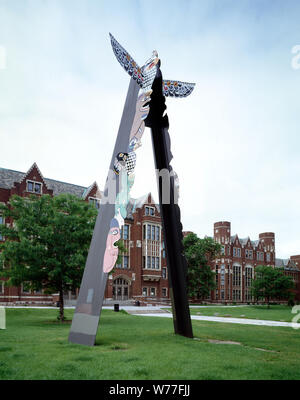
[271, 283]
[199, 253]
[47, 244]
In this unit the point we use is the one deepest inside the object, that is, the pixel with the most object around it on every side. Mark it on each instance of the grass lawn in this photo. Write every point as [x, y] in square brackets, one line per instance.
[35, 346]
[274, 313]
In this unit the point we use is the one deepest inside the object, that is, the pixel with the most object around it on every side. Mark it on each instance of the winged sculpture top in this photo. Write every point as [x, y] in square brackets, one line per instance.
[145, 75]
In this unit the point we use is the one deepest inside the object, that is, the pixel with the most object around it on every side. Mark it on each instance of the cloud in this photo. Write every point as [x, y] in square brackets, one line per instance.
[235, 140]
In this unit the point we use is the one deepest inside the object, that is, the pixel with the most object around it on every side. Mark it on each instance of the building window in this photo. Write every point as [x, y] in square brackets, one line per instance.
[156, 262]
[94, 202]
[152, 291]
[236, 294]
[248, 276]
[222, 275]
[145, 291]
[236, 279]
[249, 254]
[1, 287]
[157, 231]
[223, 250]
[236, 252]
[268, 257]
[149, 232]
[164, 273]
[228, 250]
[217, 276]
[125, 232]
[153, 262]
[149, 211]
[248, 296]
[164, 292]
[222, 294]
[124, 262]
[153, 232]
[34, 187]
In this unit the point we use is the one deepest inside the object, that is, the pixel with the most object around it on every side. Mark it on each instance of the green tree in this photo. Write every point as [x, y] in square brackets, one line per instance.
[47, 244]
[199, 253]
[271, 283]
[122, 250]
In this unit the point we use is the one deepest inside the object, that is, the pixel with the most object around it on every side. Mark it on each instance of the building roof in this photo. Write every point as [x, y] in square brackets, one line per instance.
[244, 241]
[133, 204]
[63, 187]
[280, 262]
[8, 177]
[233, 238]
[286, 263]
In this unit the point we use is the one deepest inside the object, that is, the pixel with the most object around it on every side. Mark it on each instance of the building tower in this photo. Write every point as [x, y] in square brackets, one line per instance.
[267, 240]
[222, 232]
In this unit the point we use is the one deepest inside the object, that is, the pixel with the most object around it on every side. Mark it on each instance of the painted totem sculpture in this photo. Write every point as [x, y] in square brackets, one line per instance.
[144, 106]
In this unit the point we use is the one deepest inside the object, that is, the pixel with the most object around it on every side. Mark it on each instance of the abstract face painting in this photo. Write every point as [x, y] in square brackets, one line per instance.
[111, 251]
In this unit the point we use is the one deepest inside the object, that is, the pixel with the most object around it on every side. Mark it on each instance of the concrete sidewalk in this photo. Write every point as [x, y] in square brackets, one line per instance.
[157, 311]
[243, 321]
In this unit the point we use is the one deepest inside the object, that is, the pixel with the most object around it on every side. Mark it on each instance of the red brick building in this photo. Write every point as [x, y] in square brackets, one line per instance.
[235, 268]
[142, 275]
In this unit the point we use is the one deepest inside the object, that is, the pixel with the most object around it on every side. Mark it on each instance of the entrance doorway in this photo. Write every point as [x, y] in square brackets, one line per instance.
[120, 289]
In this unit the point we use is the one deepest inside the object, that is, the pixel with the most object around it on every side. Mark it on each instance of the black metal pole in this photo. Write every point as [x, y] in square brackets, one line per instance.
[172, 227]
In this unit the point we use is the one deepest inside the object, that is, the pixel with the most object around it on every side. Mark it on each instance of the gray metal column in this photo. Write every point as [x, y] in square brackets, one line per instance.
[90, 300]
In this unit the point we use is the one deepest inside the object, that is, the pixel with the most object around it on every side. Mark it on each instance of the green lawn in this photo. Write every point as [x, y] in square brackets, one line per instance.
[34, 346]
[274, 313]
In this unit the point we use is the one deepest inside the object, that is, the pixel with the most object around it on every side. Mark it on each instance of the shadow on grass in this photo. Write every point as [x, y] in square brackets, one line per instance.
[66, 322]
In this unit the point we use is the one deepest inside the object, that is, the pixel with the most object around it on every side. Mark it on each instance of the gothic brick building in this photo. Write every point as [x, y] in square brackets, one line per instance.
[236, 266]
[142, 275]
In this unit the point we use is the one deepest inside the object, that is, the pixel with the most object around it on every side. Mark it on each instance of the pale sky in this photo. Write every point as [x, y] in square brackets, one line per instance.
[235, 140]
